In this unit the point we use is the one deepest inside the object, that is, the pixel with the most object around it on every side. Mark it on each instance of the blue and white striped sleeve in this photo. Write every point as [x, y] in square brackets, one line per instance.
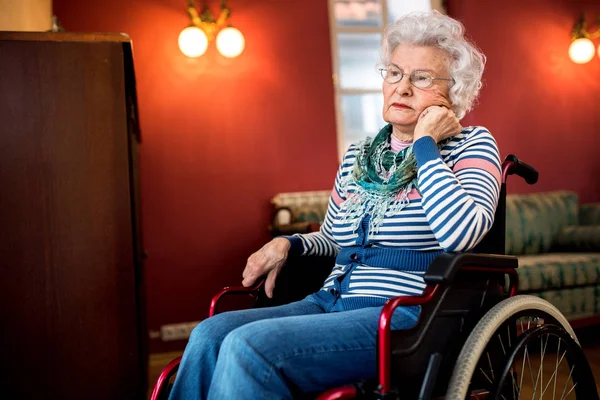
[322, 243]
[460, 203]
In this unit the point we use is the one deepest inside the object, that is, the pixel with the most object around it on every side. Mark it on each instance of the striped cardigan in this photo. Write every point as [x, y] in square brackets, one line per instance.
[453, 209]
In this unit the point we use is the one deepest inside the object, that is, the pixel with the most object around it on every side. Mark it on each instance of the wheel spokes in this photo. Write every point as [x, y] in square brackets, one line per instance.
[487, 377]
[530, 369]
[538, 389]
[490, 363]
[566, 382]
[540, 375]
[536, 339]
[554, 374]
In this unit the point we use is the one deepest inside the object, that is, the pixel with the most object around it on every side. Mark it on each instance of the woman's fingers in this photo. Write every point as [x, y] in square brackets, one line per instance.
[438, 122]
[270, 282]
[270, 257]
[255, 268]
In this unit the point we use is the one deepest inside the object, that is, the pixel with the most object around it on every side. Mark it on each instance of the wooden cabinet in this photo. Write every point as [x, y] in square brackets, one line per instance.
[71, 287]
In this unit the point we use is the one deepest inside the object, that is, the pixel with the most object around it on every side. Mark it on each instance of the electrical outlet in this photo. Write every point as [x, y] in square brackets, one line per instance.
[180, 331]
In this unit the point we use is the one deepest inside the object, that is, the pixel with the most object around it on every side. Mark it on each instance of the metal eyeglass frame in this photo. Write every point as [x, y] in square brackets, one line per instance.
[383, 72]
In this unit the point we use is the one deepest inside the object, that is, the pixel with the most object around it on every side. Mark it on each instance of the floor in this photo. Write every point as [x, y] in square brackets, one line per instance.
[156, 364]
[589, 339]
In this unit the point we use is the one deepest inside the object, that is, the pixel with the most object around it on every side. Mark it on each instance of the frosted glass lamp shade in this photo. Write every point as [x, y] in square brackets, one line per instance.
[581, 50]
[230, 42]
[193, 42]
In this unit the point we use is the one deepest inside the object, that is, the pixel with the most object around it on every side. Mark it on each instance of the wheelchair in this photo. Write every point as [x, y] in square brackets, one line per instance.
[475, 338]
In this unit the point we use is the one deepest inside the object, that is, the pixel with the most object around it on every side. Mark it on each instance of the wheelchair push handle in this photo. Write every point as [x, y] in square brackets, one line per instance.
[512, 165]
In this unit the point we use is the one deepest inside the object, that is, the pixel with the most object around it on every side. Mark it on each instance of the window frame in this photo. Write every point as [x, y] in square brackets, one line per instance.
[334, 30]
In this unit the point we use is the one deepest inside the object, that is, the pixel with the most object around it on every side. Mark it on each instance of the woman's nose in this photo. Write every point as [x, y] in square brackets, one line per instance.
[404, 87]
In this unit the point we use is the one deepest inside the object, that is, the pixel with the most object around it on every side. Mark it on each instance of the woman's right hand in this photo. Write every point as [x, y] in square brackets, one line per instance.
[267, 261]
[439, 122]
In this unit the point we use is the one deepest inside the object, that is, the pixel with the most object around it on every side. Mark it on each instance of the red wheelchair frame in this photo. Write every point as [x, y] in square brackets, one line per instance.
[439, 275]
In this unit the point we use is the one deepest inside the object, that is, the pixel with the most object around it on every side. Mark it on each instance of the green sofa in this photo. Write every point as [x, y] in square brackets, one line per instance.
[556, 239]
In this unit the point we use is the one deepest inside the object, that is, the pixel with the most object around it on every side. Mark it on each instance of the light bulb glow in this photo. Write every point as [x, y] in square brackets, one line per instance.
[193, 42]
[230, 42]
[581, 50]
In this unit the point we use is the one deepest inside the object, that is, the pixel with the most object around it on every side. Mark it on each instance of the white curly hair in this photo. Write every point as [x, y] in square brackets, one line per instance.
[434, 29]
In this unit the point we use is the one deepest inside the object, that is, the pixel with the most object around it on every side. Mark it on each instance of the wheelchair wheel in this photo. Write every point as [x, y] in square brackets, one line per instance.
[523, 348]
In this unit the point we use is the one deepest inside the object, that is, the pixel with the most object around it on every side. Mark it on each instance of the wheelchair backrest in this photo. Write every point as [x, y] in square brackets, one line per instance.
[447, 320]
[494, 242]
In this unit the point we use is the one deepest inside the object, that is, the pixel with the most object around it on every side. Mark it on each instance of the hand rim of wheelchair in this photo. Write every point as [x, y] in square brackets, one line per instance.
[505, 312]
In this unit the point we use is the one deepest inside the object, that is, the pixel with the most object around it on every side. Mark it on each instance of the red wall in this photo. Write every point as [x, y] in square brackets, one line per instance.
[536, 102]
[220, 137]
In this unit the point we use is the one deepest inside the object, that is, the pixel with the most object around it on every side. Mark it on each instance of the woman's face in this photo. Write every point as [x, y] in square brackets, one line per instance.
[403, 102]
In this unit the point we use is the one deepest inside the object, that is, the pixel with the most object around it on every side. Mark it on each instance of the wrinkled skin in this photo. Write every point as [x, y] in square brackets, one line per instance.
[267, 261]
[429, 112]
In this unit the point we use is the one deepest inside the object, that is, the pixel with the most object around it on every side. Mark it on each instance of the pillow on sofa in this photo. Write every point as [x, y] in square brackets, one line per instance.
[534, 221]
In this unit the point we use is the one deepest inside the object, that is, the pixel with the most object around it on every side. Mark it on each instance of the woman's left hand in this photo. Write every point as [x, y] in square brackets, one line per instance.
[438, 122]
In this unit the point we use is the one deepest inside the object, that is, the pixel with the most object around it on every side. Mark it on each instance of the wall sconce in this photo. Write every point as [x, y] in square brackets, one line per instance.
[582, 49]
[194, 40]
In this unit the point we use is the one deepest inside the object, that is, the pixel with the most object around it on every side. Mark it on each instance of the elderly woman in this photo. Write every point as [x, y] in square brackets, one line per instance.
[424, 185]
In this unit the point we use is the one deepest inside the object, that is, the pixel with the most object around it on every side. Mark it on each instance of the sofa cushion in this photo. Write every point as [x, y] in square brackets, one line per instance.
[579, 238]
[533, 221]
[574, 303]
[589, 214]
[558, 271]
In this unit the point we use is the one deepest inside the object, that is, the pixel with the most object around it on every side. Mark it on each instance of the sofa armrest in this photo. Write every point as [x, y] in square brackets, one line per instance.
[444, 267]
[294, 227]
[579, 238]
[298, 212]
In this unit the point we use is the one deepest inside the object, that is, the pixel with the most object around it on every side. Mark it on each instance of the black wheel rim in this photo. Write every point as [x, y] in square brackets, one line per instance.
[509, 357]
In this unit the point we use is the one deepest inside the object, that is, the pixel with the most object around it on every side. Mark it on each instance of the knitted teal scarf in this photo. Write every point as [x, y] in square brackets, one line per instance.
[382, 180]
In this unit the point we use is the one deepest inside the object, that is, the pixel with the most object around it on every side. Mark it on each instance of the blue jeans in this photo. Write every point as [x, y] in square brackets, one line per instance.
[280, 352]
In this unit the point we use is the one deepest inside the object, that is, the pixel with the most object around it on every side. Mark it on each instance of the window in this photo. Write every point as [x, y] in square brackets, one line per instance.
[356, 28]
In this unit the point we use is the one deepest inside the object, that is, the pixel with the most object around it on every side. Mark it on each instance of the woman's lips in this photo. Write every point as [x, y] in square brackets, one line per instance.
[401, 106]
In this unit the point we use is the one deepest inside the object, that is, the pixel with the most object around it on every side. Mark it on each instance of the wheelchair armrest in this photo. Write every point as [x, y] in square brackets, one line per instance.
[253, 291]
[300, 276]
[444, 267]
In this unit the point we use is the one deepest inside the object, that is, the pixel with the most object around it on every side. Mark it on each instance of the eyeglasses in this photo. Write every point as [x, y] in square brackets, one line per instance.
[420, 79]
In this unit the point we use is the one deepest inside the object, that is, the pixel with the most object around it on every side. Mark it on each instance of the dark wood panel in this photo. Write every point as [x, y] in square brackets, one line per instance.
[68, 292]
[65, 37]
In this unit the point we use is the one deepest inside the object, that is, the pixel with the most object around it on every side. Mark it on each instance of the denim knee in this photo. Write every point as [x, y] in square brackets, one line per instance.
[199, 334]
[236, 342]
[246, 351]
[258, 340]
[207, 334]
[250, 342]
[199, 359]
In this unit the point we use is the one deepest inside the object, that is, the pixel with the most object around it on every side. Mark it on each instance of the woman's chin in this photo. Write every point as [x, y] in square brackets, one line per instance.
[401, 117]
[403, 122]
